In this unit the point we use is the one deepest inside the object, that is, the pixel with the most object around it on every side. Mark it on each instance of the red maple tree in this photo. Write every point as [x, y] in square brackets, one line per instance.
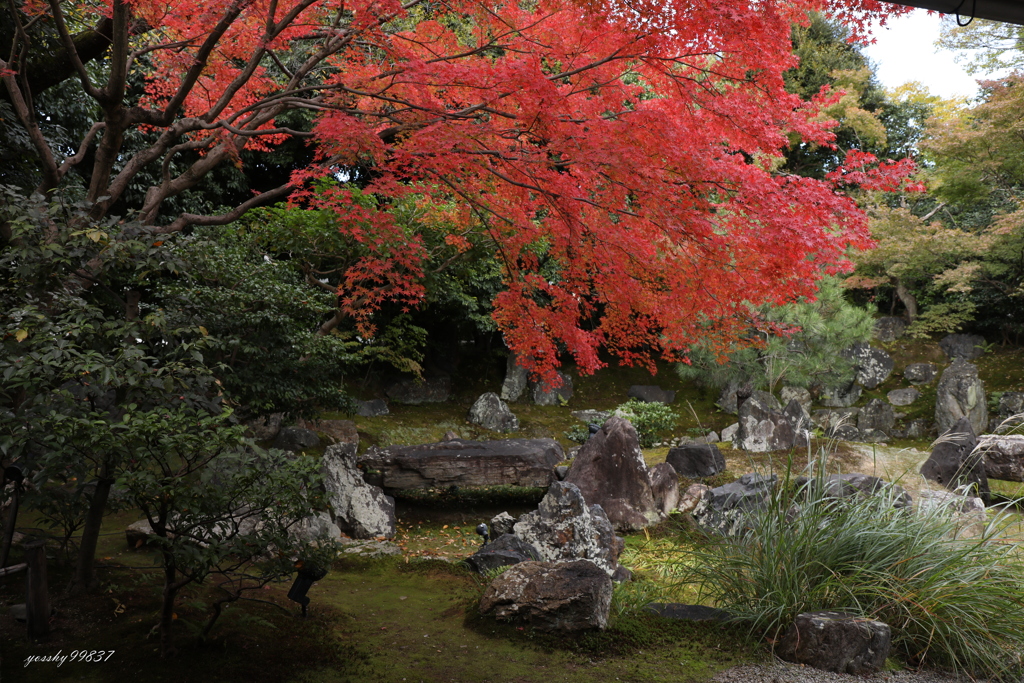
[630, 142]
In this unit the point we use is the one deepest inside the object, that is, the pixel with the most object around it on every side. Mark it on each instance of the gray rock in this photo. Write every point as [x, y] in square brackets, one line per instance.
[920, 373]
[870, 436]
[561, 471]
[763, 429]
[138, 534]
[890, 328]
[563, 528]
[903, 397]
[551, 596]
[368, 548]
[552, 396]
[724, 509]
[798, 394]
[831, 420]
[412, 391]
[649, 393]
[1004, 456]
[357, 508]
[490, 412]
[873, 365]
[956, 463]
[966, 346]
[967, 511]
[374, 408]
[850, 485]
[833, 641]
[876, 415]
[336, 431]
[516, 379]
[1011, 403]
[840, 397]
[504, 550]
[846, 433]
[692, 496]
[264, 428]
[505, 462]
[610, 471]
[728, 400]
[296, 439]
[592, 416]
[665, 486]
[729, 433]
[696, 461]
[678, 611]
[501, 524]
[918, 429]
[960, 394]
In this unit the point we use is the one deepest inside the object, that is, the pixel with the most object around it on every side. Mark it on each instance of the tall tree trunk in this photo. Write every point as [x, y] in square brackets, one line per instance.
[170, 592]
[84, 579]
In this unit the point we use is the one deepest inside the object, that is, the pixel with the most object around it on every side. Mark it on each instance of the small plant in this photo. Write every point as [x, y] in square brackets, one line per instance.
[578, 433]
[952, 601]
[649, 419]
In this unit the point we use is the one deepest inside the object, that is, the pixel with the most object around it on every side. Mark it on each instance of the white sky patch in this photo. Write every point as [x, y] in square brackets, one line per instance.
[905, 51]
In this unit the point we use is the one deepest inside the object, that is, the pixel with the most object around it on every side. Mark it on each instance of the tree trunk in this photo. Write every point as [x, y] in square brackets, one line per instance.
[167, 605]
[908, 300]
[84, 579]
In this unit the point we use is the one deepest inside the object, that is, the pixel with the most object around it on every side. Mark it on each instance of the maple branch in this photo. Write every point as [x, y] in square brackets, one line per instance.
[82, 149]
[72, 50]
[187, 219]
[27, 117]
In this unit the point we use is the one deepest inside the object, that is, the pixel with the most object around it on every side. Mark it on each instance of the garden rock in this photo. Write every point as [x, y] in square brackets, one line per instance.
[833, 641]
[867, 436]
[890, 328]
[903, 397]
[505, 462]
[561, 471]
[665, 486]
[505, 550]
[960, 394]
[696, 461]
[336, 431]
[873, 365]
[516, 379]
[876, 415]
[1004, 456]
[798, 394]
[357, 508]
[730, 432]
[490, 412]
[966, 346]
[374, 408]
[849, 485]
[551, 596]
[413, 391]
[1011, 403]
[501, 524]
[967, 511]
[264, 428]
[681, 612]
[563, 528]
[368, 549]
[728, 400]
[296, 439]
[955, 463]
[610, 471]
[920, 373]
[829, 421]
[763, 429]
[592, 416]
[552, 396]
[138, 534]
[693, 495]
[840, 397]
[723, 509]
[651, 394]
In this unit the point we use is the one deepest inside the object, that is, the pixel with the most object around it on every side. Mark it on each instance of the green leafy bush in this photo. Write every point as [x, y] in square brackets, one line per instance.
[951, 600]
[650, 420]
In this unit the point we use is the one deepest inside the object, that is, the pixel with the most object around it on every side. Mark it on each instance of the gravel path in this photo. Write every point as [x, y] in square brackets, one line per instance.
[782, 672]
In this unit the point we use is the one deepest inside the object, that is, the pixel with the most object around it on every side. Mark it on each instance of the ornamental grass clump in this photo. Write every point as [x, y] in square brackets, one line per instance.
[952, 601]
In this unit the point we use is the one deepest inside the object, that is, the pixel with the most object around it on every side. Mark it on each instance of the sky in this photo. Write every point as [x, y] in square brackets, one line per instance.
[905, 51]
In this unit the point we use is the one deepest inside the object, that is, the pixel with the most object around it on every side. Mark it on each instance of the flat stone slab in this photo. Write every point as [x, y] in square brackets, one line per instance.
[503, 462]
[675, 610]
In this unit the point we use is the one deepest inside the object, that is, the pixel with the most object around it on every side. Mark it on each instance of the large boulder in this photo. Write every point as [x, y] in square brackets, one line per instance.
[490, 412]
[357, 508]
[724, 509]
[876, 415]
[966, 346]
[763, 429]
[505, 462]
[414, 391]
[873, 365]
[648, 393]
[610, 471]
[956, 463]
[665, 486]
[545, 395]
[728, 400]
[296, 439]
[1004, 456]
[833, 641]
[372, 408]
[890, 328]
[516, 379]
[798, 394]
[960, 394]
[563, 528]
[842, 396]
[920, 373]
[551, 596]
[506, 549]
[696, 461]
